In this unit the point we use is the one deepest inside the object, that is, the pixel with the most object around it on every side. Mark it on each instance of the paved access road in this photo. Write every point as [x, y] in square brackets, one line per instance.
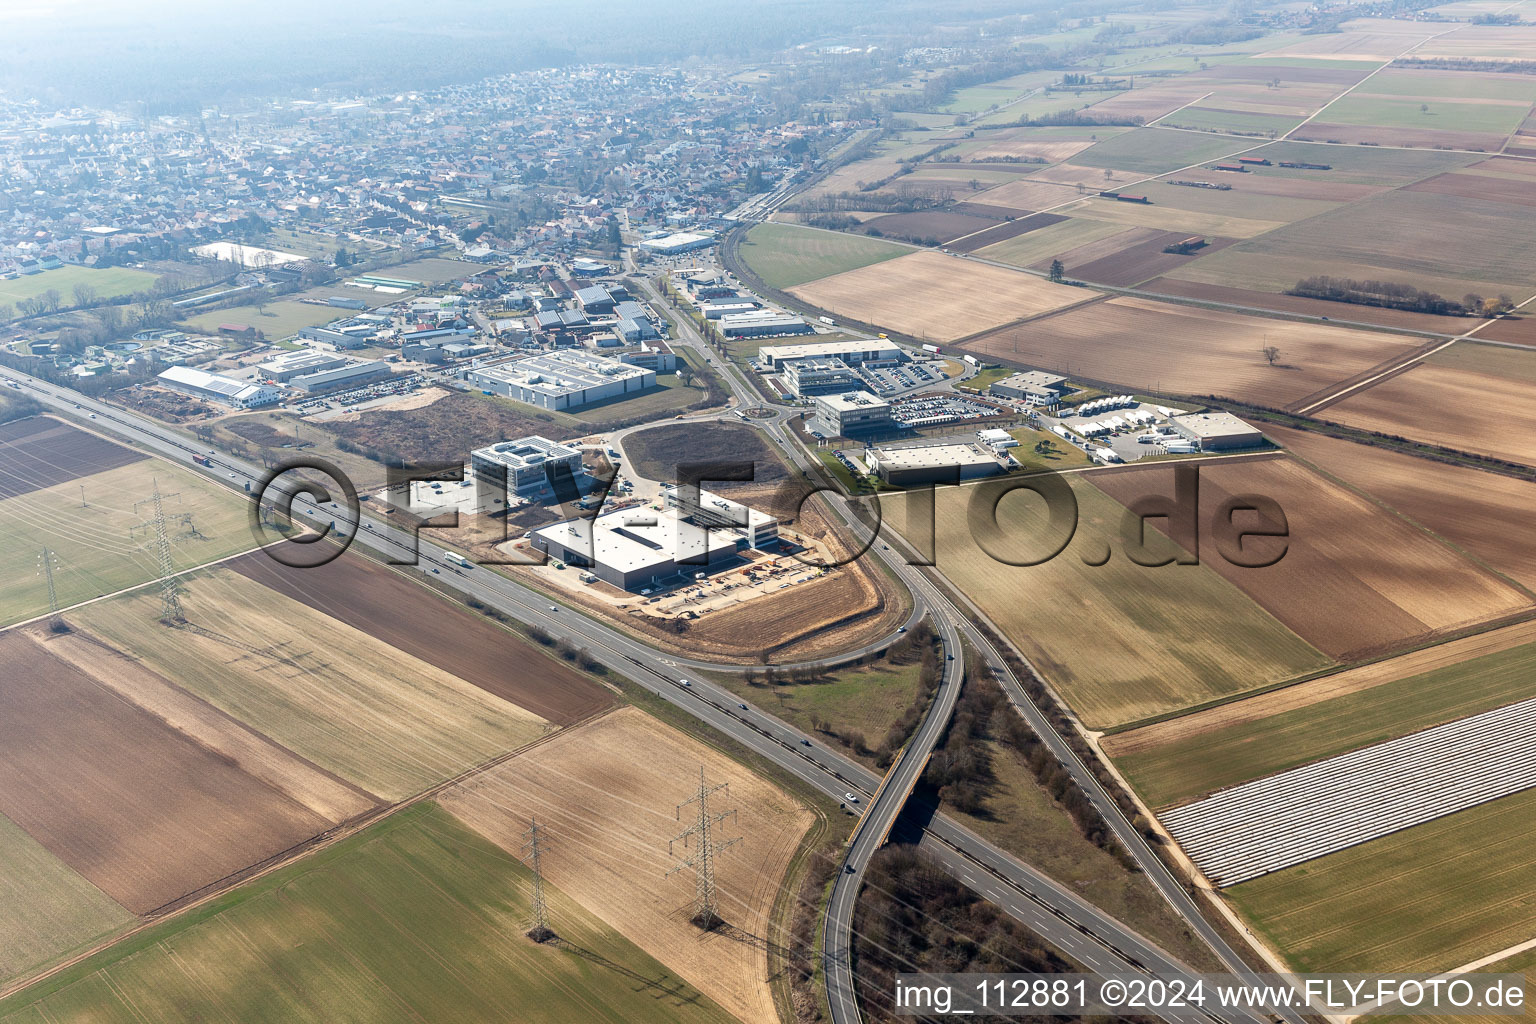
[1059, 916]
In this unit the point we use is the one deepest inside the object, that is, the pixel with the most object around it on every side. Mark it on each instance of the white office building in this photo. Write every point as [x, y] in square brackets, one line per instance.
[527, 463]
[566, 379]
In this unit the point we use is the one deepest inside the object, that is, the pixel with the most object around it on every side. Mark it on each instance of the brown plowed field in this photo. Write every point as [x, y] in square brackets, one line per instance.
[141, 811]
[368, 596]
[1144, 260]
[323, 793]
[930, 225]
[1019, 142]
[1314, 691]
[1143, 344]
[1426, 138]
[40, 451]
[1479, 186]
[1254, 71]
[1487, 514]
[1003, 232]
[1482, 413]
[1399, 318]
[1517, 330]
[1356, 580]
[936, 297]
[608, 793]
[1151, 103]
[1101, 248]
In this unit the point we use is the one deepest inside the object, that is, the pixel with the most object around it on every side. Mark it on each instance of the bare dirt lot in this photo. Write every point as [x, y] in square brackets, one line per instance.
[40, 451]
[1355, 580]
[936, 297]
[1314, 691]
[448, 429]
[654, 453]
[1143, 344]
[144, 813]
[1485, 514]
[364, 594]
[608, 793]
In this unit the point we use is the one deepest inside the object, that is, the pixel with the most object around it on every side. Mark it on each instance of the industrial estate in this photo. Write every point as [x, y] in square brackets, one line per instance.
[1021, 490]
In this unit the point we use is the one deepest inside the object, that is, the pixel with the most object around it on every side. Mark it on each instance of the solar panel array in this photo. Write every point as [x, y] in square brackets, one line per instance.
[1272, 823]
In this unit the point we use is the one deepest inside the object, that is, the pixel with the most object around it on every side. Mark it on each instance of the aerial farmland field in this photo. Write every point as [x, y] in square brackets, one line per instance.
[784, 255]
[98, 526]
[1163, 638]
[1484, 514]
[1356, 581]
[109, 283]
[1184, 758]
[390, 723]
[1471, 410]
[609, 791]
[1156, 151]
[139, 809]
[416, 918]
[936, 297]
[1147, 345]
[1427, 899]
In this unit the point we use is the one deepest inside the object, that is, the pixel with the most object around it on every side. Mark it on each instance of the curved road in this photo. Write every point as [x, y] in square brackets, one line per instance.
[1060, 916]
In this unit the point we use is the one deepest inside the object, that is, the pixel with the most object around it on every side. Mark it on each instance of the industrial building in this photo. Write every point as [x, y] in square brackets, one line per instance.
[594, 299]
[725, 307]
[1217, 431]
[237, 394]
[854, 353]
[682, 241]
[762, 323]
[936, 463]
[807, 377]
[562, 380]
[285, 366]
[1033, 386]
[638, 548]
[851, 413]
[356, 372]
[342, 334]
[653, 357]
[527, 463]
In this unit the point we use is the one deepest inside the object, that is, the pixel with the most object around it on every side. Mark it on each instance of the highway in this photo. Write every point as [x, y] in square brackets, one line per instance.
[1061, 917]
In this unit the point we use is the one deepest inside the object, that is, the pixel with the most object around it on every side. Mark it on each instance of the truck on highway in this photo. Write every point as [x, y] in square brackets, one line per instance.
[203, 460]
[457, 559]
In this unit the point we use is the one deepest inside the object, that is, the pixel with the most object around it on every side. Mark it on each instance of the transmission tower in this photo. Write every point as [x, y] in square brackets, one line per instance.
[170, 591]
[46, 560]
[706, 849]
[541, 932]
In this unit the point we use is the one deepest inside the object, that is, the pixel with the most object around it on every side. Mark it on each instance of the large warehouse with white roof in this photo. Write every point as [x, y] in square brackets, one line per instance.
[563, 380]
[238, 394]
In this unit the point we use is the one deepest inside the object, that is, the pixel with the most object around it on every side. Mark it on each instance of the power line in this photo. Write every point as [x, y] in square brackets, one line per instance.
[541, 932]
[706, 909]
[170, 590]
[47, 560]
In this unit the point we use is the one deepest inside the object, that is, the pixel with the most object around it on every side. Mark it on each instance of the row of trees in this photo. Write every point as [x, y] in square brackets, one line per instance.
[1396, 295]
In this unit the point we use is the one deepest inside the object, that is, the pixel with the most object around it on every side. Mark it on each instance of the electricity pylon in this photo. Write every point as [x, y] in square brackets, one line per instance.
[47, 560]
[541, 932]
[170, 590]
[706, 909]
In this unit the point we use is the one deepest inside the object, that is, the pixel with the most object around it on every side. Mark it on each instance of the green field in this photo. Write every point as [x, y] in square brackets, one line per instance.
[784, 255]
[281, 318]
[109, 283]
[106, 546]
[1395, 82]
[1061, 455]
[1385, 112]
[1187, 769]
[1049, 241]
[1361, 165]
[47, 911]
[1155, 150]
[415, 919]
[1425, 899]
[1121, 642]
[1241, 121]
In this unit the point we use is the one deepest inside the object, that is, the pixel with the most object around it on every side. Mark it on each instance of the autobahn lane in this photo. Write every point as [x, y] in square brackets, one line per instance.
[1070, 920]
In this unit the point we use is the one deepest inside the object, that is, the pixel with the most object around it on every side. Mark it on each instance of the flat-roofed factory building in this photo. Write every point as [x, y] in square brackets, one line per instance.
[567, 379]
[806, 377]
[1217, 431]
[1033, 386]
[854, 353]
[936, 463]
[640, 548]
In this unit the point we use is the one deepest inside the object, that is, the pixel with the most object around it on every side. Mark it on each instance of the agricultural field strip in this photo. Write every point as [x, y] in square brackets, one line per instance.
[1308, 812]
[1318, 112]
